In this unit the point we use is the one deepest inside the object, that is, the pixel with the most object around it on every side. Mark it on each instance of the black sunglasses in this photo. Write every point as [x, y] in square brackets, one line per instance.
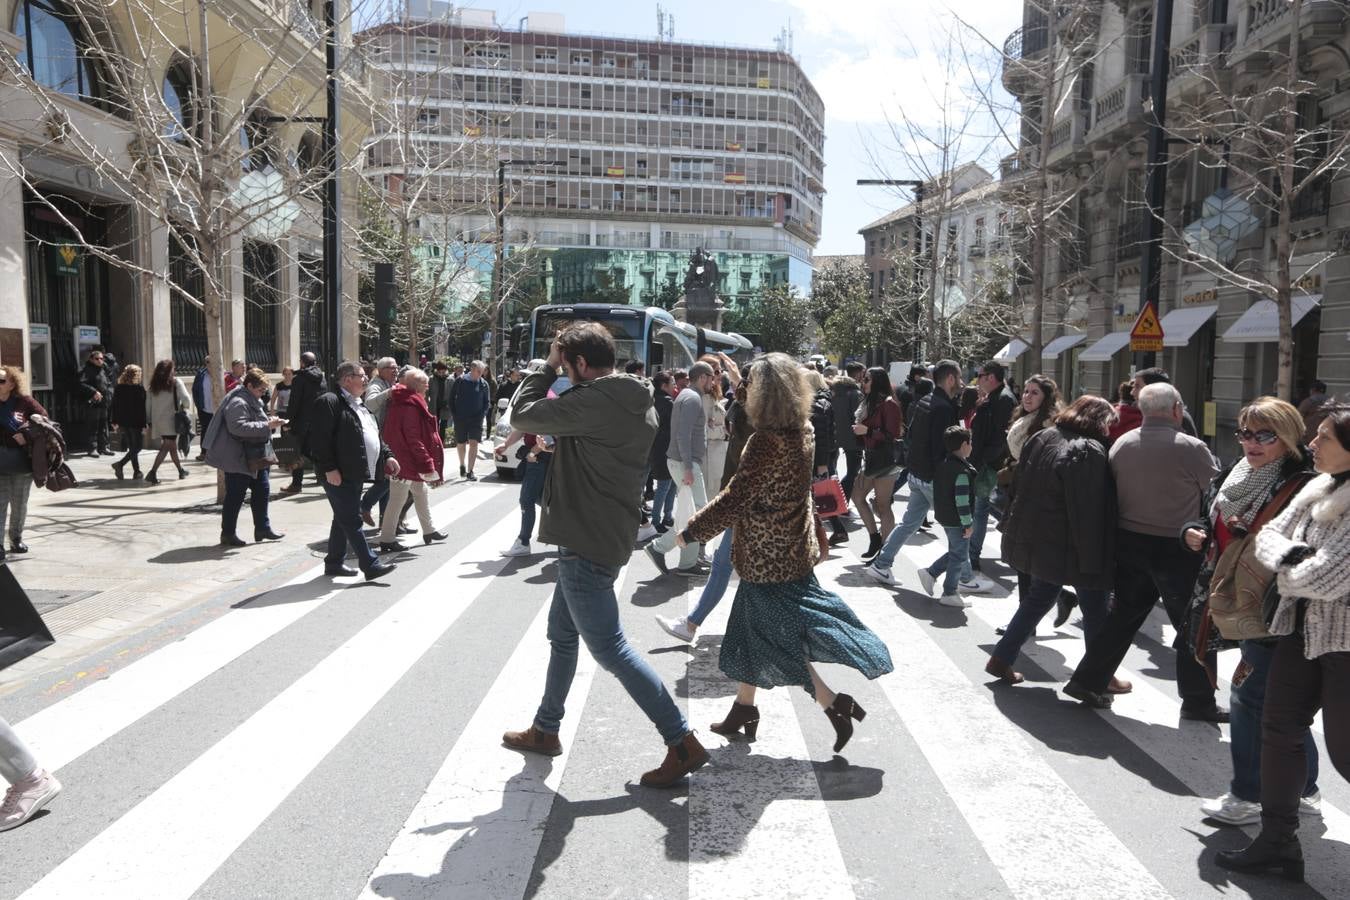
[1264, 437]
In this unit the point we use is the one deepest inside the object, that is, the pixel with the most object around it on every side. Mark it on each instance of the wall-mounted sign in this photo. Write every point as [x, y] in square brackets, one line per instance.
[65, 259]
[1147, 333]
[1311, 283]
[1209, 295]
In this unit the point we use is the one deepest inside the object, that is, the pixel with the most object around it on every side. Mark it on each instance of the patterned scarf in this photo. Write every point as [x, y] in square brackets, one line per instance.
[1246, 490]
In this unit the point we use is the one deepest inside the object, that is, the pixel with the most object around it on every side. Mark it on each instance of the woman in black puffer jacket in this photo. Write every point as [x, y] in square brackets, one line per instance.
[1061, 527]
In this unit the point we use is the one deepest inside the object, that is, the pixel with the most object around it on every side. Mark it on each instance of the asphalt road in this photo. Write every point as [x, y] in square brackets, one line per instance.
[342, 739]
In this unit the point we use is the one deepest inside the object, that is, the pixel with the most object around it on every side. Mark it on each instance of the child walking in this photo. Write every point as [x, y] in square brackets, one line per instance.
[953, 507]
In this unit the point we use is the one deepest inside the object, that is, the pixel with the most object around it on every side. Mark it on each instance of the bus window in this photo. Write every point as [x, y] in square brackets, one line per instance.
[626, 330]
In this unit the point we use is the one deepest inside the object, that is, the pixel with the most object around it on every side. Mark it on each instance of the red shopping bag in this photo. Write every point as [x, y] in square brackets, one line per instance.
[829, 496]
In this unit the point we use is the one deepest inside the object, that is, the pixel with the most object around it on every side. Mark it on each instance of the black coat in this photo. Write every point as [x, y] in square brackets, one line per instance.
[336, 442]
[822, 420]
[128, 407]
[933, 415]
[665, 406]
[847, 396]
[989, 431]
[94, 379]
[1061, 527]
[306, 387]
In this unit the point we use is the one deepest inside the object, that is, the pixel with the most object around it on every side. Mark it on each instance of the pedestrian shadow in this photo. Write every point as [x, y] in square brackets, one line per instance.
[660, 590]
[292, 593]
[201, 553]
[1066, 726]
[927, 609]
[702, 678]
[1225, 882]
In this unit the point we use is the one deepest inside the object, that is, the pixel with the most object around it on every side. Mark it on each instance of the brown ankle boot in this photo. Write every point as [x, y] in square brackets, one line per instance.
[741, 715]
[999, 669]
[1118, 686]
[532, 740]
[681, 759]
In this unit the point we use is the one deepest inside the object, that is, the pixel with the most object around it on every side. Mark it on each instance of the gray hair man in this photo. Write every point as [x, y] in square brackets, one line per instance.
[1162, 476]
[686, 453]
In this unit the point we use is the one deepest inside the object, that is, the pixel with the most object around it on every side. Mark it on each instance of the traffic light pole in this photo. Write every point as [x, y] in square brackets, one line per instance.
[1155, 192]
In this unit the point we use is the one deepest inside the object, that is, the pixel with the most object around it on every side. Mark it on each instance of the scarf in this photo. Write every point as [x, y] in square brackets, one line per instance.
[1246, 490]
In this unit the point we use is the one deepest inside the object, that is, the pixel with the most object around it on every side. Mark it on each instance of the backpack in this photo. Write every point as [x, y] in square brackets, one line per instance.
[1242, 596]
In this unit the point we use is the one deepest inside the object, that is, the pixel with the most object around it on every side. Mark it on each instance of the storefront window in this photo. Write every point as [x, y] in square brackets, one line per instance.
[53, 49]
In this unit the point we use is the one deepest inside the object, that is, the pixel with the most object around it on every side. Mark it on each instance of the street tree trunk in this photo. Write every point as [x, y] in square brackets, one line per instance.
[1039, 225]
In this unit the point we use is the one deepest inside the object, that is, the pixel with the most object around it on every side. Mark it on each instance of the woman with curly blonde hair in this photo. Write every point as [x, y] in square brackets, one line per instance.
[781, 620]
[128, 418]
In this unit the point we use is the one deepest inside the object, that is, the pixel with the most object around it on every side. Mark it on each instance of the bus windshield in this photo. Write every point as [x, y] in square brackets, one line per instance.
[626, 328]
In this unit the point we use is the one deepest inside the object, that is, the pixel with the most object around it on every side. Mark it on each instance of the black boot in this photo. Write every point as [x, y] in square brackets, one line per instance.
[1267, 855]
[742, 715]
[874, 542]
[841, 714]
[840, 535]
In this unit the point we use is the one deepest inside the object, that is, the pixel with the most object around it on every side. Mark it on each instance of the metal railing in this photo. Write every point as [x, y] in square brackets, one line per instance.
[1130, 235]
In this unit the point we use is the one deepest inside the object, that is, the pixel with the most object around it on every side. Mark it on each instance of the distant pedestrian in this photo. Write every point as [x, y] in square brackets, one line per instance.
[376, 400]
[31, 787]
[235, 376]
[411, 433]
[239, 443]
[954, 509]
[782, 620]
[281, 395]
[345, 443]
[97, 390]
[128, 417]
[306, 387]
[989, 447]
[469, 400]
[438, 396]
[663, 498]
[1128, 417]
[603, 426]
[165, 399]
[16, 461]
[204, 397]
[878, 427]
[686, 459]
[847, 389]
[715, 427]
[1311, 409]
[538, 453]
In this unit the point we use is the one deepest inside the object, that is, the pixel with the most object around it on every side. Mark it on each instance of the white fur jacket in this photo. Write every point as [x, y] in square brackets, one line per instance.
[1318, 519]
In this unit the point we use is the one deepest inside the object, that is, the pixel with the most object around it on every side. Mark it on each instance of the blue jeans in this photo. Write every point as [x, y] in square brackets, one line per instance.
[1247, 701]
[978, 527]
[920, 502]
[531, 492]
[584, 606]
[1035, 603]
[958, 549]
[718, 580]
[236, 485]
[663, 501]
[378, 493]
[345, 499]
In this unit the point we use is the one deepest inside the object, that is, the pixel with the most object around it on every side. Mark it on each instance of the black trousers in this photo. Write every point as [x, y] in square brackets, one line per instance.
[98, 428]
[852, 466]
[1296, 689]
[1148, 567]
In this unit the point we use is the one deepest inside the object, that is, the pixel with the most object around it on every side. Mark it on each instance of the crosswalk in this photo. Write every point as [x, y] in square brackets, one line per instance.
[338, 739]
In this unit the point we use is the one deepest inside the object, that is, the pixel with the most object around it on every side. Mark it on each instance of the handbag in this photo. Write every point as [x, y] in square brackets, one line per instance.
[829, 497]
[22, 631]
[286, 448]
[1243, 594]
[182, 421]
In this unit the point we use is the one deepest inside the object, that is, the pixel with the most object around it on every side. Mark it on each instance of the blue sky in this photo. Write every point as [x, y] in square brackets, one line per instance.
[865, 57]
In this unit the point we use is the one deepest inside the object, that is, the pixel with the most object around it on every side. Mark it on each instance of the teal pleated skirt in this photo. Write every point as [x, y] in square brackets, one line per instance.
[774, 630]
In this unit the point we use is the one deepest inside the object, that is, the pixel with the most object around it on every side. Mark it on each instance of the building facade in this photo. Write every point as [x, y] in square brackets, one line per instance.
[626, 155]
[84, 254]
[1220, 337]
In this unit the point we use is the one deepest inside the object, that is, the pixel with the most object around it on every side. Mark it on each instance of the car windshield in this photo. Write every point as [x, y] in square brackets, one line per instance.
[627, 332]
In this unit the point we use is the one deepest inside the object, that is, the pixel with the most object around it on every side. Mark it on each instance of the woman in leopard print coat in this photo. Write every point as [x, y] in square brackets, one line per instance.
[782, 620]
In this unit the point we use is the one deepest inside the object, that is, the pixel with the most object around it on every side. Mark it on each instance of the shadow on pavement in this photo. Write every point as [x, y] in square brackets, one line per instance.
[195, 554]
[1258, 886]
[660, 590]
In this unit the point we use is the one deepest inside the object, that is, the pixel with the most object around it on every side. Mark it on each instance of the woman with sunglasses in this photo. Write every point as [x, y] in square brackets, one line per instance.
[16, 462]
[1308, 548]
[878, 426]
[1273, 462]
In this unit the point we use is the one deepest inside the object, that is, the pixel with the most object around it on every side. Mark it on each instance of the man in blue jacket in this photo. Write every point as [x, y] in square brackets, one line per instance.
[468, 404]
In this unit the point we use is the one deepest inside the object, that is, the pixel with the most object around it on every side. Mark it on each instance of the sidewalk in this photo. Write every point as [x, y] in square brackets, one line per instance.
[109, 558]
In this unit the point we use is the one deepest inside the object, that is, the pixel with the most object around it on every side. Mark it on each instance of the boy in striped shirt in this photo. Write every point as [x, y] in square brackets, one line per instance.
[954, 509]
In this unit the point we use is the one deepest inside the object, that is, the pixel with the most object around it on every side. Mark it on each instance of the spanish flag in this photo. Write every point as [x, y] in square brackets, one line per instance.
[614, 171]
[734, 178]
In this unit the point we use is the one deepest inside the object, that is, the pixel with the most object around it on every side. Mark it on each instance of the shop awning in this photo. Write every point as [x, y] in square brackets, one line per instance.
[1053, 349]
[1180, 325]
[1011, 350]
[1261, 322]
[1106, 347]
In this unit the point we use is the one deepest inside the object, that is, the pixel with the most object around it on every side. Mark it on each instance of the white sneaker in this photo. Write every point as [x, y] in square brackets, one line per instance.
[519, 548]
[977, 585]
[24, 799]
[677, 628]
[928, 581]
[646, 533]
[1232, 811]
[885, 576]
[955, 600]
[1310, 805]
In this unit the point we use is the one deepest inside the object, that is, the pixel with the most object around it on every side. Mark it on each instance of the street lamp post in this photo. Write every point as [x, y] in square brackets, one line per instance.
[1155, 193]
[918, 188]
[332, 196]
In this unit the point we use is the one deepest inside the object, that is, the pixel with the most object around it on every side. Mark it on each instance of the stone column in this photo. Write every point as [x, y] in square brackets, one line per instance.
[232, 304]
[13, 283]
[288, 315]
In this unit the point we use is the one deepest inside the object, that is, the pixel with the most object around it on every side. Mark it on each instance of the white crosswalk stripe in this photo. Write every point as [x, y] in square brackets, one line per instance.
[475, 819]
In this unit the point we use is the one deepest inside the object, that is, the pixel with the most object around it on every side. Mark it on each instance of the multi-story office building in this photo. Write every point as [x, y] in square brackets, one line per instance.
[57, 80]
[1220, 339]
[627, 154]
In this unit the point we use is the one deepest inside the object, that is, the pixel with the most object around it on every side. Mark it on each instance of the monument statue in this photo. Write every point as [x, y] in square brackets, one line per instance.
[700, 290]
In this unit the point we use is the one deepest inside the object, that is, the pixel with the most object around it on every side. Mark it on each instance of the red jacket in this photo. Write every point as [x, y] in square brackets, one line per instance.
[1128, 418]
[411, 433]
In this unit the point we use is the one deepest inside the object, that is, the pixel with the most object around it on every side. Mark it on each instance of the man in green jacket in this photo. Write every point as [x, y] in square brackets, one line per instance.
[603, 427]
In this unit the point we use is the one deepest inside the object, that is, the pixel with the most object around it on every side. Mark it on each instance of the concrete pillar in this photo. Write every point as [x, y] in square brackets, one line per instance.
[13, 283]
[288, 315]
[232, 303]
[157, 297]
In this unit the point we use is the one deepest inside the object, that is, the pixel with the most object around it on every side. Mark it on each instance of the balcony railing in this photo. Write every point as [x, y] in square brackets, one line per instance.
[1027, 41]
[1265, 20]
[1130, 235]
[1118, 106]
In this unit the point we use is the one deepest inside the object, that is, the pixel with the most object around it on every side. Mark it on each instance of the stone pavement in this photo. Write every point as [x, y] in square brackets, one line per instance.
[109, 558]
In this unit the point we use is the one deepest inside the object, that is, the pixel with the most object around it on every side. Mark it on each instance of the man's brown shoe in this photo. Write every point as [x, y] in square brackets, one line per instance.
[532, 740]
[1004, 672]
[681, 759]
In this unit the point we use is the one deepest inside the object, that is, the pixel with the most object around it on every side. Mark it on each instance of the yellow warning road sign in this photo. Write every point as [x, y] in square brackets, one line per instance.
[1147, 333]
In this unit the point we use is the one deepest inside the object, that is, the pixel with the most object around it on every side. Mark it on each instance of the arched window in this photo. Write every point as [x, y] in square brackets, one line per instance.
[55, 49]
[180, 99]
